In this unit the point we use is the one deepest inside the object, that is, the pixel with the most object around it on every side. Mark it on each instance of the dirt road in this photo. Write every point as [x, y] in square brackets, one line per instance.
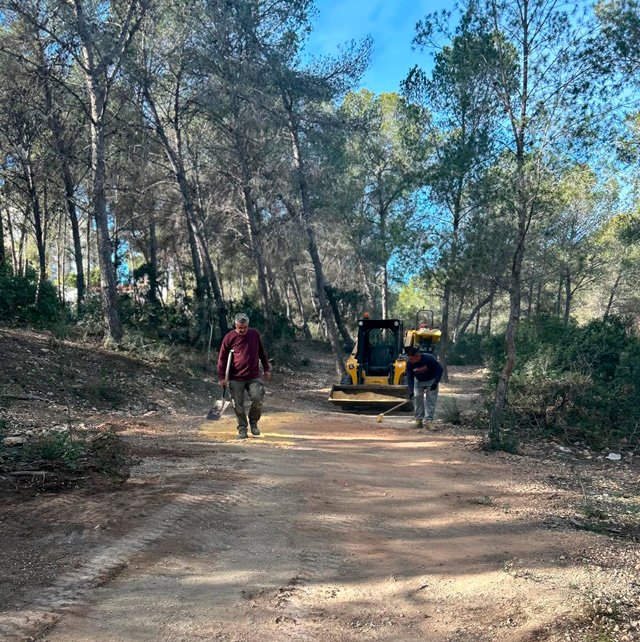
[328, 527]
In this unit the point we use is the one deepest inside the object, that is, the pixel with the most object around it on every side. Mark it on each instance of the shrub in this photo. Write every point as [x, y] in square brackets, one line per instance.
[54, 448]
[18, 303]
[469, 350]
[580, 382]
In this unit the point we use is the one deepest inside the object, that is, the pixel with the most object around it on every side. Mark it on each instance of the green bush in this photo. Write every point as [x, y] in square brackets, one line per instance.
[57, 447]
[469, 350]
[18, 303]
[582, 382]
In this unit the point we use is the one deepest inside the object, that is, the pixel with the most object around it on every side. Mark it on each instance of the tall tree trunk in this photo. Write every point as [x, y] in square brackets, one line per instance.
[108, 287]
[2, 253]
[152, 263]
[342, 328]
[530, 301]
[69, 189]
[322, 332]
[523, 204]
[200, 257]
[384, 292]
[97, 100]
[38, 224]
[254, 229]
[515, 296]
[490, 316]
[101, 62]
[64, 152]
[444, 329]
[196, 260]
[448, 287]
[568, 296]
[384, 289]
[15, 261]
[88, 252]
[364, 280]
[23, 261]
[312, 246]
[612, 295]
[299, 300]
[212, 277]
[287, 302]
[475, 312]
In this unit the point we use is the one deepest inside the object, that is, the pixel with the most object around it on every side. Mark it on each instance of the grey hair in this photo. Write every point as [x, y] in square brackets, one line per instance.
[241, 318]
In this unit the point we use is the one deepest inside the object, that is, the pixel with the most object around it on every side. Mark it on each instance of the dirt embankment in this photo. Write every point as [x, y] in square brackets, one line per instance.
[328, 527]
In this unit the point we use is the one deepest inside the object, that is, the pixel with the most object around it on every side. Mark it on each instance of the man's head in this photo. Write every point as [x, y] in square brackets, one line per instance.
[413, 354]
[242, 323]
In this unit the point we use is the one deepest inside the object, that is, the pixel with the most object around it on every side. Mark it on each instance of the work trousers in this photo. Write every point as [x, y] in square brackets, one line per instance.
[424, 399]
[253, 390]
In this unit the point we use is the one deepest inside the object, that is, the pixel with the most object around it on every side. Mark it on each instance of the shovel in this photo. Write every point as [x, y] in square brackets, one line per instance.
[222, 404]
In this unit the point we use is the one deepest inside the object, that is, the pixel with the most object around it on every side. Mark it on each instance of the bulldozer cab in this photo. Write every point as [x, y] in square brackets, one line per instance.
[378, 346]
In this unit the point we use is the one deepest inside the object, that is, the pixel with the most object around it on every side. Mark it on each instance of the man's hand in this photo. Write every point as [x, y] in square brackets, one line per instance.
[223, 383]
[420, 369]
[267, 375]
[434, 386]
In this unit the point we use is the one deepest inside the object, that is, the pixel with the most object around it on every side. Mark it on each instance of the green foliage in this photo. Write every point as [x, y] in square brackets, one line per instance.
[451, 412]
[53, 447]
[582, 382]
[18, 303]
[351, 303]
[411, 297]
[469, 350]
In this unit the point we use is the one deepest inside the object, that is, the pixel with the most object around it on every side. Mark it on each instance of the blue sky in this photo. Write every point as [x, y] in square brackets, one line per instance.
[391, 24]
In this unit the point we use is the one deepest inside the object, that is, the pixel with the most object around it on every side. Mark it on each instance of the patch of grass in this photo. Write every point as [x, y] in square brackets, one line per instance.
[53, 447]
[590, 511]
[451, 412]
[592, 527]
[483, 500]
[147, 349]
[600, 636]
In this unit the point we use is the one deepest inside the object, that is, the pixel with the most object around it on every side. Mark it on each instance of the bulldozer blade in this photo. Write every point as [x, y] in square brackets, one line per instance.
[218, 409]
[379, 397]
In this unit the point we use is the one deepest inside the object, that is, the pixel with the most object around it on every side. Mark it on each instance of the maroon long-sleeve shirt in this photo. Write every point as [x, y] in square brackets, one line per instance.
[248, 353]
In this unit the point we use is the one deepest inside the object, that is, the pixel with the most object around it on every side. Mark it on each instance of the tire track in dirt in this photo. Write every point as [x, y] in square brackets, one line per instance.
[71, 589]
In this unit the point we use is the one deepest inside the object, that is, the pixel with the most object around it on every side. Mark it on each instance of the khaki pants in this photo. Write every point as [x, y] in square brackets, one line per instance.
[243, 391]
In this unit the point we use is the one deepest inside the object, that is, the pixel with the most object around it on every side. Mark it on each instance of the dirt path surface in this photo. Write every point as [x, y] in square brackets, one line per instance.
[328, 527]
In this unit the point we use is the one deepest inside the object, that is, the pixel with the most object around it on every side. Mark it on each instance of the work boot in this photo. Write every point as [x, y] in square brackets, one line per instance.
[255, 430]
[419, 424]
[429, 425]
[242, 433]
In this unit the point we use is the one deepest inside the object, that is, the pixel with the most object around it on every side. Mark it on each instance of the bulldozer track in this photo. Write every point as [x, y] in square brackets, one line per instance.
[71, 589]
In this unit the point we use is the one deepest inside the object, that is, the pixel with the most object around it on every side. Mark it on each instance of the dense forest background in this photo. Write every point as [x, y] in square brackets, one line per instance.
[166, 163]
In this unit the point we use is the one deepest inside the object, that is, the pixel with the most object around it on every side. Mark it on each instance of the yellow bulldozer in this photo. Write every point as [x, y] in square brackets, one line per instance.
[376, 367]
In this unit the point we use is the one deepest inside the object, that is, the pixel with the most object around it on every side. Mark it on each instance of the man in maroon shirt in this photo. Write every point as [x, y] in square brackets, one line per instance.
[244, 374]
